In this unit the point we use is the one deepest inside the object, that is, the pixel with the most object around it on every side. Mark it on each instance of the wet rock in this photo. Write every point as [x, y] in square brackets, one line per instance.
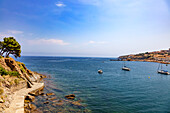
[30, 98]
[32, 107]
[29, 107]
[37, 111]
[60, 101]
[46, 102]
[71, 96]
[27, 111]
[53, 98]
[41, 93]
[59, 104]
[34, 93]
[76, 103]
[55, 101]
[49, 94]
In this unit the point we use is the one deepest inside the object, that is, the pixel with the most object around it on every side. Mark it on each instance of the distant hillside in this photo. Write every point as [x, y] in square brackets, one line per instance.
[162, 56]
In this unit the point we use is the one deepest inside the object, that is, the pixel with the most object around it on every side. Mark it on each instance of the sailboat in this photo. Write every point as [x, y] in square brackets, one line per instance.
[161, 71]
[125, 68]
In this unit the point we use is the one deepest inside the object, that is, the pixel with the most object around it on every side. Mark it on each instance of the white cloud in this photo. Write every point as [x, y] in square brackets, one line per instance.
[48, 41]
[14, 32]
[96, 42]
[60, 5]
[91, 42]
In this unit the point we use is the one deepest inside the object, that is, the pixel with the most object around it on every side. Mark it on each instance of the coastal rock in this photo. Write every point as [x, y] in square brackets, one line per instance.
[49, 94]
[71, 96]
[1, 101]
[53, 98]
[30, 98]
[75, 103]
[35, 93]
[4, 65]
[46, 102]
[7, 84]
[41, 93]
[59, 104]
[32, 107]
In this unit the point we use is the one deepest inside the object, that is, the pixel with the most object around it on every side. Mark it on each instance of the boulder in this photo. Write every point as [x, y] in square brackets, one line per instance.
[34, 93]
[76, 103]
[53, 98]
[59, 104]
[49, 94]
[71, 96]
[30, 98]
[46, 102]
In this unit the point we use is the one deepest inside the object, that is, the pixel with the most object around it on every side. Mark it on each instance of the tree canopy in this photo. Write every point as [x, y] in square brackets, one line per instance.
[10, 46]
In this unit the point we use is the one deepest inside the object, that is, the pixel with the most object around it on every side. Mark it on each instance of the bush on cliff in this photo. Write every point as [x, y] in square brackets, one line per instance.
[3, 71]
[11, 73]
[14, 73]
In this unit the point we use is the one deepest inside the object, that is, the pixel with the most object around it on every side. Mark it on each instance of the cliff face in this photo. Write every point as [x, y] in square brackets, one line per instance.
[14, 76]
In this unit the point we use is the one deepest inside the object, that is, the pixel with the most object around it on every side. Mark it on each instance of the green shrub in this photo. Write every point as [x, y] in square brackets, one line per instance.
[11, 73]
[16, 81]
[1, 91]
[14, 73]
[3, 71]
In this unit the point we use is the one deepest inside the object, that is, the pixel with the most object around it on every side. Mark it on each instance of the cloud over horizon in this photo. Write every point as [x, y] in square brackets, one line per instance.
[47, 42]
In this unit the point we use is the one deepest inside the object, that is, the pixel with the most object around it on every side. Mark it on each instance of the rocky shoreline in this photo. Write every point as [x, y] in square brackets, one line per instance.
[23, 92]
[46, 101]
[16, 81]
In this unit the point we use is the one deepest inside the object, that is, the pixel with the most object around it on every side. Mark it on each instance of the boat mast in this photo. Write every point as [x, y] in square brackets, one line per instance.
[124, 64]
[161, 66]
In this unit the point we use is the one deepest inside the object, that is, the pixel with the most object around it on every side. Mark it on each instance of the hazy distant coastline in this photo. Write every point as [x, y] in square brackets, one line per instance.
[162, 56]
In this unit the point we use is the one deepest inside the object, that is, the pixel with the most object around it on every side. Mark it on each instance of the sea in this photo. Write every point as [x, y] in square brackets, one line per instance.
[141, 90]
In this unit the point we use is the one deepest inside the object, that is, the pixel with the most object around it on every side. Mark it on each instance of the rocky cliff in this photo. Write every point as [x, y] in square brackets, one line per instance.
[14, 76]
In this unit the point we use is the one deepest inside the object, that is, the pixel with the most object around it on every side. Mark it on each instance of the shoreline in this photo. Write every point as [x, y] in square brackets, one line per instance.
[141, 61]
[17, 103]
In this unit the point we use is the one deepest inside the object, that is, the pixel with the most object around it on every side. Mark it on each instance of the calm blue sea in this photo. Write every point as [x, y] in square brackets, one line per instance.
[137, 91]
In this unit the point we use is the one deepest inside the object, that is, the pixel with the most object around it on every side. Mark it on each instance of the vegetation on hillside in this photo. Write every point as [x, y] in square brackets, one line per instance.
[11, 73]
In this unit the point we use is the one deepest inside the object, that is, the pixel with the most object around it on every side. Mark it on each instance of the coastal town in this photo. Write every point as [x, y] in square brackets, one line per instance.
[162, 56]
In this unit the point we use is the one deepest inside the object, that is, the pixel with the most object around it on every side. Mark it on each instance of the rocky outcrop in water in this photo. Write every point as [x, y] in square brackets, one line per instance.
[71, 96]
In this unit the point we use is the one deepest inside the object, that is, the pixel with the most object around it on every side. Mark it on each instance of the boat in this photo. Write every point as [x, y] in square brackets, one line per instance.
[100, 71]
[161, 71]
[125, 68]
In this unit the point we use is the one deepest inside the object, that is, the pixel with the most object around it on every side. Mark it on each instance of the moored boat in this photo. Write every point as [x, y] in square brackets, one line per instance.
[125, 68]
[100, 71]
[161, 71]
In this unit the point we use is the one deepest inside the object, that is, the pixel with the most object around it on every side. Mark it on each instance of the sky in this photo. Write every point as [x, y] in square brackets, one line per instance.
[89, 28]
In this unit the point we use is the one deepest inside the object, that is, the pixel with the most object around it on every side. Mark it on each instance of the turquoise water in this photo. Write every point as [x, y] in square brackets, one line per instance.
[140, 90]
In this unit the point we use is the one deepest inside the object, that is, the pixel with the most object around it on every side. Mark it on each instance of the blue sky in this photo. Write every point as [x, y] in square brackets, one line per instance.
[103, 28]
